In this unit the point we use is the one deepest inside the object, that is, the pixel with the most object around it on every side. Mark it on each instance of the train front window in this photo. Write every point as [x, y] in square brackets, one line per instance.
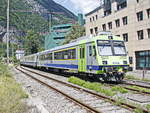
[119, 48]
[104, 47]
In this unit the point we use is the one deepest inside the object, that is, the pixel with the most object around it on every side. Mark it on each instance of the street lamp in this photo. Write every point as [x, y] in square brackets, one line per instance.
[7, 32]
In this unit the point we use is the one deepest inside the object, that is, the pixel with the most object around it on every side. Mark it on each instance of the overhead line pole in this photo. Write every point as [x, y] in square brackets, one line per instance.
[8, 3]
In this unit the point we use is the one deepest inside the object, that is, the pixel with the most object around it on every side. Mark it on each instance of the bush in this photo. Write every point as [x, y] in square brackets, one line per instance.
[93, 86]
[120, 89]
[11, 93]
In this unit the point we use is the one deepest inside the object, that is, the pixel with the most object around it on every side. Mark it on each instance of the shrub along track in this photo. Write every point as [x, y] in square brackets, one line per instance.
[122, 104]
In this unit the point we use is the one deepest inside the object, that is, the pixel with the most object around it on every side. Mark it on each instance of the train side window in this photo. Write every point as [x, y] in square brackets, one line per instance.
[80, 53]
[49, 56]
[69, 54]
[94, 51]
[74, 54]
[83, 52]
[90, 51]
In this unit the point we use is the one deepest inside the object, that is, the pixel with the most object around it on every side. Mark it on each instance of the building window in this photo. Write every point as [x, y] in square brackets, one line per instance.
[93, 18]
[121, 5]
[117, 23]
[125, 37]
[96, 30]
[110, 25]
[140, 35]
[139, 16]
[137, 1]
[142, 59]
[90, 19]
[118, 35]
[91, 31]
[96, 17]
[130, 60]
[125, 20]
[107, 12]
[148, 13]
[104, 27]
[148, 33]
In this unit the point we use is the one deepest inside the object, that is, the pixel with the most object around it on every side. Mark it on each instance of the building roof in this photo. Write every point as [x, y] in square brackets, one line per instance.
[98, 8]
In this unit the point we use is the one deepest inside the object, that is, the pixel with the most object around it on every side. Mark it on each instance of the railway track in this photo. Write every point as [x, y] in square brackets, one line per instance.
[95, 96]
[137, 83]
[88, 108]
[126, 86]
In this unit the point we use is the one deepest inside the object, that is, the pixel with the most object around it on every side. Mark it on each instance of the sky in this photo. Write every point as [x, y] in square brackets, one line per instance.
[79, 6]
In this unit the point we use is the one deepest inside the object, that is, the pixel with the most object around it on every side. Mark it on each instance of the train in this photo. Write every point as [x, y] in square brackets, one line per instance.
[103, 56]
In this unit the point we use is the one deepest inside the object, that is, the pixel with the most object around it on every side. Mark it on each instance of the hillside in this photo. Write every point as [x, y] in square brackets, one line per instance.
[52, 6]
[32, 14]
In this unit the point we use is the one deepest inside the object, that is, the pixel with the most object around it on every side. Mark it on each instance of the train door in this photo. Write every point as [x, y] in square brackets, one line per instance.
[91, 56]
[82, 58]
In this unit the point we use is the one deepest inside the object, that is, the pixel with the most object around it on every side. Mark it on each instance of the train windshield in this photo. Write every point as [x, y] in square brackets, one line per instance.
[110, 48]
[119, 48]
[104, 48]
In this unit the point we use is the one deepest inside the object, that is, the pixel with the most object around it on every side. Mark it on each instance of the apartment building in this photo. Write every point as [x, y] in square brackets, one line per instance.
[129, 19]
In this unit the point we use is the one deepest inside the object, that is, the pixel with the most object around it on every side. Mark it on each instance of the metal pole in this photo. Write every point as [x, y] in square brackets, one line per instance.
[7, 32]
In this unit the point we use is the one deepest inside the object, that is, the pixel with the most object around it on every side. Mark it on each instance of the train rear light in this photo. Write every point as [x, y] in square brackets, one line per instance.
[105, 62]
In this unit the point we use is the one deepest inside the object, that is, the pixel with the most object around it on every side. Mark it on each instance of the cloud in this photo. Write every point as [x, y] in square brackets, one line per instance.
[85, 5]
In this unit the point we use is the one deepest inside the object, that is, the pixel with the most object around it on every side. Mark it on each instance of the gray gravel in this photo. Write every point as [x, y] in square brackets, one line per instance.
[99, 104]
[43, 100]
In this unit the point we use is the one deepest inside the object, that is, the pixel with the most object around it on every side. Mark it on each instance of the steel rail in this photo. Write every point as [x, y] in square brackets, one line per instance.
[132, 89]
[88, 91]
[142, 86]
[87, 107]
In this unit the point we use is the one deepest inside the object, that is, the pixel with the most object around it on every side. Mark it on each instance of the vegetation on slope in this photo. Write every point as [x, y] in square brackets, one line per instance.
[11, 93]
[76, 32]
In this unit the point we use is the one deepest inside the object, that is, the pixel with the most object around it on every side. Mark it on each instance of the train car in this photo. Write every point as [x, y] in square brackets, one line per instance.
[103, 56]
[30, 60]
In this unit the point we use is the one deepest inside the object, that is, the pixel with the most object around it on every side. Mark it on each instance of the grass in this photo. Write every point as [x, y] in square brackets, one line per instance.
[11, 93]
[120, 89]
[93, 86]
[98, 87]
[148, 107]
[139, 88]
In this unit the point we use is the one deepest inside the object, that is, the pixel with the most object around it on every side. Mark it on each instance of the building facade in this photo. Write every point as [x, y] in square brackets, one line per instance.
[57, 35]
[129, 19]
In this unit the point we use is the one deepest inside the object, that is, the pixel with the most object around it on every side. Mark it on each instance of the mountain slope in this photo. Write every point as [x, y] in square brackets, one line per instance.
[52, 6]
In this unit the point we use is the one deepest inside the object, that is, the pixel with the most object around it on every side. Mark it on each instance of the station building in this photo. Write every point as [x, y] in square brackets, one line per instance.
[129, 19]
[57, 35]
[58, 32]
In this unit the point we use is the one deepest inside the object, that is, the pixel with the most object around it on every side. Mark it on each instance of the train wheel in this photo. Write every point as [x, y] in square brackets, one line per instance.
[119, 78]
[106, 78]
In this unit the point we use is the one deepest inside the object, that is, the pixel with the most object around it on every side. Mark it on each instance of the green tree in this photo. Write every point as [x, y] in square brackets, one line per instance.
[76, 32]
[32, 42]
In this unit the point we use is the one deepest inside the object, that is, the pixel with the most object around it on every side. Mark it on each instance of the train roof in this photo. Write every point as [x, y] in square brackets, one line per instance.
[84, 39]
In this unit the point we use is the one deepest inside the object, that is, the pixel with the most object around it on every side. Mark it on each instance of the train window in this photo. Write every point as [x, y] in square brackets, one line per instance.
[49, 56]
[94, 51]
[119, 48]
[90, 50]
[66, 54]
[104, 47]
[73, 53]
[80, 53]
